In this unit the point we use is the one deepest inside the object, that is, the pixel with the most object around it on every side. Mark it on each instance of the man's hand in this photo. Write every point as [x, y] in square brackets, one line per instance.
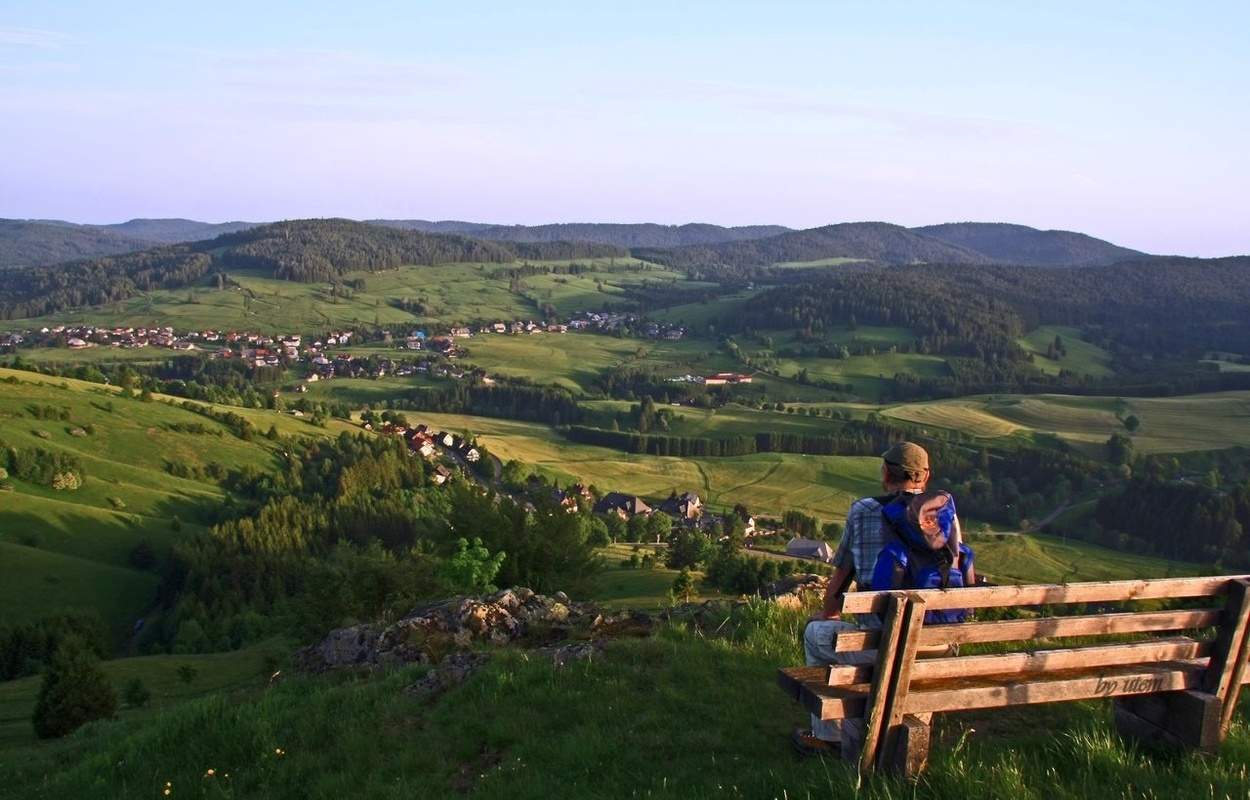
[832, 609]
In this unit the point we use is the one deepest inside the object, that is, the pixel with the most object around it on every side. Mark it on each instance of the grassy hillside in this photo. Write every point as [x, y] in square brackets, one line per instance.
[1080, 357]
[71, 548]
[683, 714]
[448, 295]
[1168, 424]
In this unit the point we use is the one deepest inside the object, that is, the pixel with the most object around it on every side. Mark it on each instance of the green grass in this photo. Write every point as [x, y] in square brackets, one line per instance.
[213, 673]
[71, 549]
[451, 294]
[1168, 424]
[1039, 558]
[682, 714]
[36, 582]
[1081, 357]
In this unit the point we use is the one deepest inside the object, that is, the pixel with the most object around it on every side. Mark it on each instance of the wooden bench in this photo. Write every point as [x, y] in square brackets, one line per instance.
[1171, 652]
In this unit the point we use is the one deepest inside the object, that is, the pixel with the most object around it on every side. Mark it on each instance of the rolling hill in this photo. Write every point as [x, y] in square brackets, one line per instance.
[34, 243]
[1029, 247]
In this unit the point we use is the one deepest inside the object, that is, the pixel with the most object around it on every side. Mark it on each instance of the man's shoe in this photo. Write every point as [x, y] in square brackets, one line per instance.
[809, 745]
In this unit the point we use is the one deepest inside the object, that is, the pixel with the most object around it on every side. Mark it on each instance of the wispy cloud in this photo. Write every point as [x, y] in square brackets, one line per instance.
[787, 102]
[337, 75]
[33, 37]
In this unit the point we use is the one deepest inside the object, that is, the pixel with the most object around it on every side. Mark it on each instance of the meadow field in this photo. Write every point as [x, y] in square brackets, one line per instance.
[1081, 357]
[1167, 424]
[449, 294]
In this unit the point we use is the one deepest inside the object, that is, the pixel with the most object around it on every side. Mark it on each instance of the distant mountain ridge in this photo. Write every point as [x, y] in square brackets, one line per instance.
[38, 243]
[620, 234]
[1021, 245]
[29, 243]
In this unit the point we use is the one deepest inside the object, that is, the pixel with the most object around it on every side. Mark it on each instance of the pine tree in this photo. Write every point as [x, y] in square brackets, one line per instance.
[74, 691]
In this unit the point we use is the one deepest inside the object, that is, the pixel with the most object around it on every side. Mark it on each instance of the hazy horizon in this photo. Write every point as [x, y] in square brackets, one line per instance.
[1122, 121]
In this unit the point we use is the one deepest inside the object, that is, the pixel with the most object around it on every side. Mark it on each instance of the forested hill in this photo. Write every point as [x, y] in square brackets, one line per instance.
[697, 246]
[1029, 247]
[883, 243]
[32, 243]
[877, 242]
[305, 251]
[176, 231]
[621, 235]
[35, 243]
[1146, 314]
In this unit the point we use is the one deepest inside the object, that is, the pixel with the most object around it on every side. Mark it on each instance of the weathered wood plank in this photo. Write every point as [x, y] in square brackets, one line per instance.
[900, 681]
[791, 680]
[925, 697]
[882, 678]
[1033, 662]
[1050, 594]
[907, 752]
[1228, 660]
[1069, 685]
[1175, 719]
[1018, 630]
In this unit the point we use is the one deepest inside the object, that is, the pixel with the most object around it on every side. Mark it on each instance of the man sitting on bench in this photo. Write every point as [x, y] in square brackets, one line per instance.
[908, 538]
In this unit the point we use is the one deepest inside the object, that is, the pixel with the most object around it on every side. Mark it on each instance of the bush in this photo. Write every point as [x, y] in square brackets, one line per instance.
[74, 691]
[136, 693]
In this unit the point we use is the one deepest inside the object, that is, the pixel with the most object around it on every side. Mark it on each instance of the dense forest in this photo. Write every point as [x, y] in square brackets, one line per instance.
[1156, 318]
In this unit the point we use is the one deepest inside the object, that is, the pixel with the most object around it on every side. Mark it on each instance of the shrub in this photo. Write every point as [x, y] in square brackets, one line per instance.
[74, 691]
[66, 481]
[136, 693]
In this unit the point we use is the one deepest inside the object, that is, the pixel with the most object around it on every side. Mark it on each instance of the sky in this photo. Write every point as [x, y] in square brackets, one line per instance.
[1127, 121]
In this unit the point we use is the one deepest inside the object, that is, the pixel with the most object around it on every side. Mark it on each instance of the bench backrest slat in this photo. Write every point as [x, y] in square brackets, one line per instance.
[1019, 630]
[1034, 662]
[1113, 682]
[1050, 594]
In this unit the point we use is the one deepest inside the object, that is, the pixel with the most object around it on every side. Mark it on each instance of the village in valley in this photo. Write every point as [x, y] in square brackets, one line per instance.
[325, 357]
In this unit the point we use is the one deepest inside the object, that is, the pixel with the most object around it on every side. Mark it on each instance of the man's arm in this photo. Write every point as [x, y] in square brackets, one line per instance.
[831, 607]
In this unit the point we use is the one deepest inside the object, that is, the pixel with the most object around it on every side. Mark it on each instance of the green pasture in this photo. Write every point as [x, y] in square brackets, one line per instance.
[619, 587]
[450, 294]
[213, 673]
[1168, 424]
[767, 483]
[1082, 357]
[705, 314]
[576, 360]
[589, 290]
[1226, 366]
[822, 262]
[728, 421]
[869, 376]
[66, 549]
[69, 527]
[1041, 558]
[38, 582]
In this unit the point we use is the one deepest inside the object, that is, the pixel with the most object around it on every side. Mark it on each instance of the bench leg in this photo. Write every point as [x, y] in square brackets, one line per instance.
[907, 752]
[1172, 719]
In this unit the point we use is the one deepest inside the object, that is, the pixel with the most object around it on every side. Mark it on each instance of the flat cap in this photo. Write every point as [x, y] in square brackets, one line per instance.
[907, 456]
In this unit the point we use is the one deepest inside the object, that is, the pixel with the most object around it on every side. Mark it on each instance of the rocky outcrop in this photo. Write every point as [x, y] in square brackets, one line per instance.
[457, 635]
